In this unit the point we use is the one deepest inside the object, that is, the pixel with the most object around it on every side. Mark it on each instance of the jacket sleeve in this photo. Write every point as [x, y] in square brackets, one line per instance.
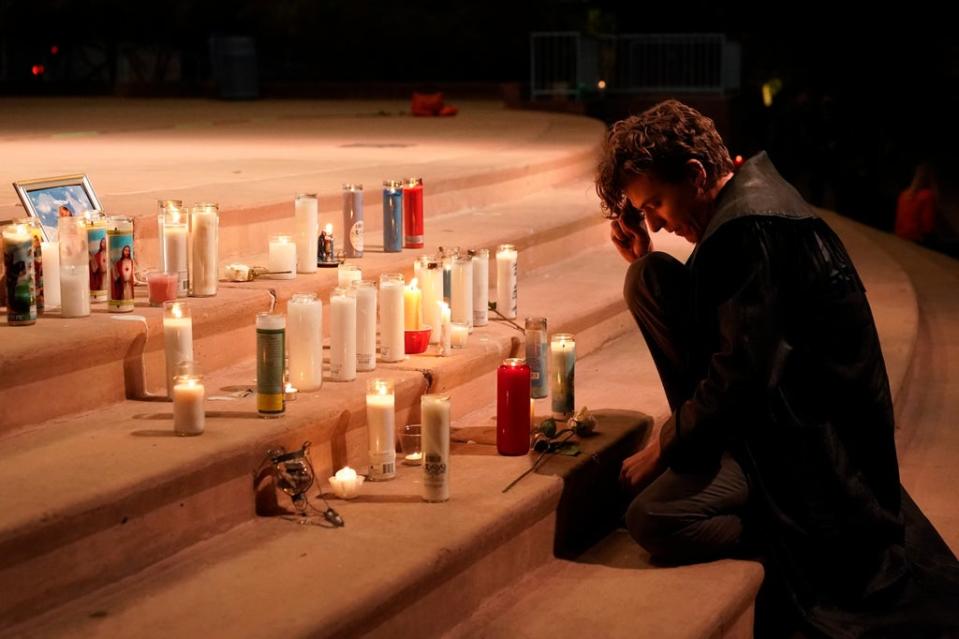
[735, 281]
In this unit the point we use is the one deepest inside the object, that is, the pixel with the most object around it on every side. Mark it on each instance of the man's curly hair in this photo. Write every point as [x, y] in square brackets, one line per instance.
[658, 141]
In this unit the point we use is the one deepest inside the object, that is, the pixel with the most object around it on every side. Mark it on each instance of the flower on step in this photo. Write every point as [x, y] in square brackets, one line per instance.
[583, 423]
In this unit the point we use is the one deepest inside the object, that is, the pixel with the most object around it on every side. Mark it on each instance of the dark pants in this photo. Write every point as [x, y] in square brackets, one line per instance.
[692, 512]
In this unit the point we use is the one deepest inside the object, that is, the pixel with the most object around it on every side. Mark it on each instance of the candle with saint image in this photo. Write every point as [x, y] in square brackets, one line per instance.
[381, 424]
[305, 341]
[343, 335]
[20, 277]
[120, 276]
[346, 274]
[282, 262]
[506, 281]
[326, 246]
[177, 339]
[480, 286]
[413, 306]
[51, 274]
[204, 249]
[446, 330]
[536, 356]
[353, 235]
[35, 229]
[431, 272]
[176, 247]
[512, 407]
[461, 296]
[307, 228]
[270, 363]
[189, 416]
[392, 317]
[74, 267]
[99, 255]
[365, 292]
[435, 418]
[562, 372]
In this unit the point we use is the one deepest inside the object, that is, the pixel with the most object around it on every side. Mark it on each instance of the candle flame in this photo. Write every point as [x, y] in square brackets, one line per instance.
[414, 284]
[174, 216]
[329, 229]
[177, 311]
[346, 473]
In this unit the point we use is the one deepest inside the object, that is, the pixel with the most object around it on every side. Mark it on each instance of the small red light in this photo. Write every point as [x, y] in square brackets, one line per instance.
[35, 69]
[54, 50]
[738, 161]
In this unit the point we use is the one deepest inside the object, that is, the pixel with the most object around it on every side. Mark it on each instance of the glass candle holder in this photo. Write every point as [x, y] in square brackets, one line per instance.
[411, 443]
[189, 416]
[381, 425]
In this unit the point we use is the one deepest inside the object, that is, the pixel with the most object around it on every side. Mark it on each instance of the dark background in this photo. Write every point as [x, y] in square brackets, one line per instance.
[868, 92]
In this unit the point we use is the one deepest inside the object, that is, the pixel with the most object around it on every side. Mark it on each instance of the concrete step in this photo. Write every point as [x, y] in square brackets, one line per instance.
[129, 493]
[115, 356]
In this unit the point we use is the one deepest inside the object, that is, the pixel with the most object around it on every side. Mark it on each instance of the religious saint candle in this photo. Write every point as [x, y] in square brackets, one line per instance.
[326, 247]
[307, 221]
[381, 425]
[413, 233]
[392, 317]
[480, 286]
[270, 361]
[446, 331]
[20, 279]
[393, 216]
[461, 295]
[353, 220]
[512, 407]
[74, 267]
[537, 357]
[51, 274]
[162, 207]
[282, 261]
[121, 265]
[562, 372]
[506, 281]
[346, 274]
[431, 281]
[413, 306]
[305, 341]
[204, 249]
[435, 417]
[176, 247]
[177, 339]
[365, 293]
[35, 229]
[459, 334]
[99, 260]
[343, 335]
[189, 415]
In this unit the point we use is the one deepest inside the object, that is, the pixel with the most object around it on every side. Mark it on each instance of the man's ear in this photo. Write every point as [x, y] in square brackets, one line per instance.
[697, 174]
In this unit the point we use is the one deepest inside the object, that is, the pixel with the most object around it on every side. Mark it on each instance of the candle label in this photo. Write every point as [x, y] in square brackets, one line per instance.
[434, 469]
[563, 388]
[536, 358]
[99, 262]
[392, 220]
[20, 282]
[36, 233]
[356, 239]
[382, 465]
[270, 356]
[120, 249]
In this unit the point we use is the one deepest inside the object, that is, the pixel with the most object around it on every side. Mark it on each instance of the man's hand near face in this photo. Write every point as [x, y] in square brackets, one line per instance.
[630, 237]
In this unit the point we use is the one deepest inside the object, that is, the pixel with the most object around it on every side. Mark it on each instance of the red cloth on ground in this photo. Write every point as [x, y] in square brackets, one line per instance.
[915, 214]
[431, 104]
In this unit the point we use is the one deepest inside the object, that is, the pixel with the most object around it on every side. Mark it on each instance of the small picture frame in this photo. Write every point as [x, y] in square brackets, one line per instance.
[52, 198]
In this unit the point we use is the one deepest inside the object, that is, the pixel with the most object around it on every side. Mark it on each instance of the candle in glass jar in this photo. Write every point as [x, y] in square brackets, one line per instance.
[305, 341]
[343, 335]
[161, 287]
[562, 371]
[512, 407]
[536, 356]
[353, 237]
[392, 317]
[305, 212]
[381, 424]
[413, 213]
[435, 417]
[346, 274]
[365, 293]
[162, 207]
[20, 278]
[204, 249]
[461, 294]
[74, 267]
[120, 274]
[413, 306]
[177, 339]
[282, 264]
[392, 216]
[506, 281]
[459, 334]
[189, 416]
[176, 247]
[432, 284]
[35, 229]
[446, 330]
[480, 286]
[447, 258]
[326, 246]
[99, 261]
[51, 274]
[270, 364]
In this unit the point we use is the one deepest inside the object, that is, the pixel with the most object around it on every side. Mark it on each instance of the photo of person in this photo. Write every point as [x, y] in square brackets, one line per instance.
[59, 201]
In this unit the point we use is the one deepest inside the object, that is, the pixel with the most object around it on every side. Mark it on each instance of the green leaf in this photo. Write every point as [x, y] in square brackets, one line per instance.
[569, 449]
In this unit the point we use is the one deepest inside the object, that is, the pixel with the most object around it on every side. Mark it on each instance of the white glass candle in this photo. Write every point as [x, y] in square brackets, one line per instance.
[342, 335]
[459, 334]
[365, 292]
[432, 286]
[74, 267]
[307, 230]
[177, 339]
[435, 417]
[461, 295]
[346, 274]
[392, 317]
[446, 330]
[480, 287]
[51, 274]
[204, 249]
[304, 337]
[162, 206]
[176, 248]
[189, 416]
[562, 372]
[346, 483]
[381, 424]
[506, 293]
[282, 262]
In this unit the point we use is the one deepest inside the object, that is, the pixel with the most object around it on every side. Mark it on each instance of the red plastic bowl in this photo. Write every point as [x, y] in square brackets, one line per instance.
[418, 341]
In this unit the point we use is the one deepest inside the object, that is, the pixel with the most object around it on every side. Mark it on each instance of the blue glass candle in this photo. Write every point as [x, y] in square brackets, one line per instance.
[537, 350]
[393, 216]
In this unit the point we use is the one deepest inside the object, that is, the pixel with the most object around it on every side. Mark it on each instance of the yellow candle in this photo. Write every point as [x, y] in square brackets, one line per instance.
[413, 306]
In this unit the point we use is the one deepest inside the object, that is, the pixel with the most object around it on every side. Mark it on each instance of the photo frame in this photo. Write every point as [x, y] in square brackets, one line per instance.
[51, 198]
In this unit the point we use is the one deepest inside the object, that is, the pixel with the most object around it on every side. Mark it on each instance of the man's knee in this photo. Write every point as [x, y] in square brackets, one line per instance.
[648, 278]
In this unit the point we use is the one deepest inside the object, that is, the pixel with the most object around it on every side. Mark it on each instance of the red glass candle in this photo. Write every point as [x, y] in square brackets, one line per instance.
[512, 407]
[413, 213]
[162, 287]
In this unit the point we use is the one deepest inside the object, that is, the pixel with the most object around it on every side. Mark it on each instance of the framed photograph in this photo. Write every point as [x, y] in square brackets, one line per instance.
[52, 198]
